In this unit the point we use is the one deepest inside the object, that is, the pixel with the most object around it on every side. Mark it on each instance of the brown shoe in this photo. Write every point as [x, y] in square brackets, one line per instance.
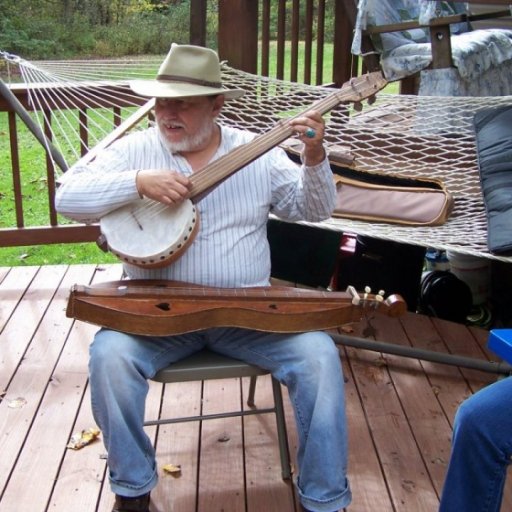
[137, 504]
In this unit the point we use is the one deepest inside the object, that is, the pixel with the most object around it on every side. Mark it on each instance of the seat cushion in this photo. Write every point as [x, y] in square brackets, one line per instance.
[473, 54]
[493, 128]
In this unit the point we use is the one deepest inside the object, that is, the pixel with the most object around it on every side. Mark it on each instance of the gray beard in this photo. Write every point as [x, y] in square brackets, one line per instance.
[189, 143]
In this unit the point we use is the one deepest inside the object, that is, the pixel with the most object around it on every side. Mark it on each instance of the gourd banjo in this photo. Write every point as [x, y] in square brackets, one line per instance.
[149, 234]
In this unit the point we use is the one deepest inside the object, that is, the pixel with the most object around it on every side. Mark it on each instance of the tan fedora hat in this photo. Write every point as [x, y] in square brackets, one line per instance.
[186, 71]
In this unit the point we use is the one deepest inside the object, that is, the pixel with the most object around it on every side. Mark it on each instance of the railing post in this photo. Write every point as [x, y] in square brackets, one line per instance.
[238, 33]
[198, 22]
[345, 17]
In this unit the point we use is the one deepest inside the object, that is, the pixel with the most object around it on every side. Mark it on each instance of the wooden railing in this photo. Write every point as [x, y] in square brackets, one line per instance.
[305, 22]
[247, 36]
[110, 96]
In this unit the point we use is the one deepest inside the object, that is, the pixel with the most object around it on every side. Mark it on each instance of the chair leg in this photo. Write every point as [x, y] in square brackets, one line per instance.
[252, 390]
[281, 431]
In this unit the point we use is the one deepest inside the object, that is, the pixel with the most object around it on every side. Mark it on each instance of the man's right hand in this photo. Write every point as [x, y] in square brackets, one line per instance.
[164, 186]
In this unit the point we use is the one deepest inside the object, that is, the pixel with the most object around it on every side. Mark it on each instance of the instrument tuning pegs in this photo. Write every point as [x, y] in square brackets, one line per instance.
[372, 99]
[358, 106]
[356, 298]
[379, 298]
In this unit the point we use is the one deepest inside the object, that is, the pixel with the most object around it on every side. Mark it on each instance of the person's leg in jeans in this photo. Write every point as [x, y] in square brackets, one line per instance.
[119, 367]
[481, 451]
[309, 365]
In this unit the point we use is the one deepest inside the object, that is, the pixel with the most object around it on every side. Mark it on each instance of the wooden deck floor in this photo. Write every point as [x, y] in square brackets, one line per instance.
[400, 414]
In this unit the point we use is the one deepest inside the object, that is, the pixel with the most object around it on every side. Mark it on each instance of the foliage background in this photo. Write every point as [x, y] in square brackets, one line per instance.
[51, 29]
[58, 29]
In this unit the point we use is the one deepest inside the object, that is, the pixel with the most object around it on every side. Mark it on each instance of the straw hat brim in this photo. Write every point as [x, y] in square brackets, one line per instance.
[161, 89]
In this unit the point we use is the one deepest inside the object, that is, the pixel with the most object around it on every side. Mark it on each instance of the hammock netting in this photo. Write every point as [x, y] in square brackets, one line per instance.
[414, 136]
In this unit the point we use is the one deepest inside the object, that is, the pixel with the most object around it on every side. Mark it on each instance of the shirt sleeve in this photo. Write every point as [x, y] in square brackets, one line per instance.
[301, 192]
[86, 193]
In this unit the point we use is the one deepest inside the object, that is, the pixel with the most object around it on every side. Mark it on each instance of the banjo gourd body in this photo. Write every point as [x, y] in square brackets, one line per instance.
[149, 235]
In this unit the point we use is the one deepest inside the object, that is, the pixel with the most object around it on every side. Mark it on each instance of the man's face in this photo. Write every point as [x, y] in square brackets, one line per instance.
[187, 124]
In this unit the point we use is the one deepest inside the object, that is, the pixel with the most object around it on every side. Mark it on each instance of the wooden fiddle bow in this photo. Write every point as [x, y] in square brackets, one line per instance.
[163, 308]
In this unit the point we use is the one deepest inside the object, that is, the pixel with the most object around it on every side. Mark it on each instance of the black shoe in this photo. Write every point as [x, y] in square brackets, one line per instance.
[137, 504]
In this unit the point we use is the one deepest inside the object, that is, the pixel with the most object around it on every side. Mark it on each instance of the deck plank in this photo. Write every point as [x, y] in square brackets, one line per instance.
[424, 414]
[368, 485]
[18, 317]
[63, 390]
[31, 344]
[262, 461]
[179, 444]
[221, 475]
[404, 468]
[400, 413]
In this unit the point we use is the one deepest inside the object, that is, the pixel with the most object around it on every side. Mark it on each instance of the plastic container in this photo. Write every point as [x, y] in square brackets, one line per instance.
[474, 271]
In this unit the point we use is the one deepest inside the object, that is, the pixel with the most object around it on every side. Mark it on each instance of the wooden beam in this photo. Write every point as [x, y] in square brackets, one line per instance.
[43, 235]
[344, 23]
[198, 22]
[238, 34]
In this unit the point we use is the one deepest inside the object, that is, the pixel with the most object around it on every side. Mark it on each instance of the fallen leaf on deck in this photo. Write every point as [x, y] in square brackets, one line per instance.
[173, 470]
[16, 403]
[436, 390]
[80, 439]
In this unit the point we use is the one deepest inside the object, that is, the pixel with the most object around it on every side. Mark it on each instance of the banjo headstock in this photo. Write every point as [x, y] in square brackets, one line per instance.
[360, 88]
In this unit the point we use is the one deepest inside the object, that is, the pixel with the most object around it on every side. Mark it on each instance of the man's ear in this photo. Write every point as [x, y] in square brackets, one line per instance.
[218, 103]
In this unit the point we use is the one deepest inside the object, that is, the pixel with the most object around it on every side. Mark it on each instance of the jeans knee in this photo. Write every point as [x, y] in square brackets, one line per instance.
[105, 352]
[467, 421]
[323, 351]
[318, 360]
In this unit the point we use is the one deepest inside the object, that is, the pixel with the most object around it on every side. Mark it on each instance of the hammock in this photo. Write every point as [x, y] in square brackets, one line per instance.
[413, 136]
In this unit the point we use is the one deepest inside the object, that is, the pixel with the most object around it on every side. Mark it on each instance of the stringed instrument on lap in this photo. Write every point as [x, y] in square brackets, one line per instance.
[149, 234]
[163, 308]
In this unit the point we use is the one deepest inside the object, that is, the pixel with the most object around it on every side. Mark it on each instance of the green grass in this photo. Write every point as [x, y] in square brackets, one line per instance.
[36, 213]
[34, 191]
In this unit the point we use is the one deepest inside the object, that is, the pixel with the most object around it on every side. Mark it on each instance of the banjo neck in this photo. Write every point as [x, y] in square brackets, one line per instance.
[208, 177]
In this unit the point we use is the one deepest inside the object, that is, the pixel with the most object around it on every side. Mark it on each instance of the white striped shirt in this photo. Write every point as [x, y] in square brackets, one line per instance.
[231, 248]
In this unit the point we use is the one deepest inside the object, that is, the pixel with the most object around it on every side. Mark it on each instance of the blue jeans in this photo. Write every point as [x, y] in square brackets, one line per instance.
[308, 364]
[481, 451]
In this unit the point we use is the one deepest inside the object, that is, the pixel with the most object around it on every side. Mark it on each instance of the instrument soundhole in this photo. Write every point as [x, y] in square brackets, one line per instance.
[272, 306]
[164, 306]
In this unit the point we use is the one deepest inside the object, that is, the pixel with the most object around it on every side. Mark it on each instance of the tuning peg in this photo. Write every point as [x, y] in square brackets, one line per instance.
[372, 99]
[358, 106]
[356, 299]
